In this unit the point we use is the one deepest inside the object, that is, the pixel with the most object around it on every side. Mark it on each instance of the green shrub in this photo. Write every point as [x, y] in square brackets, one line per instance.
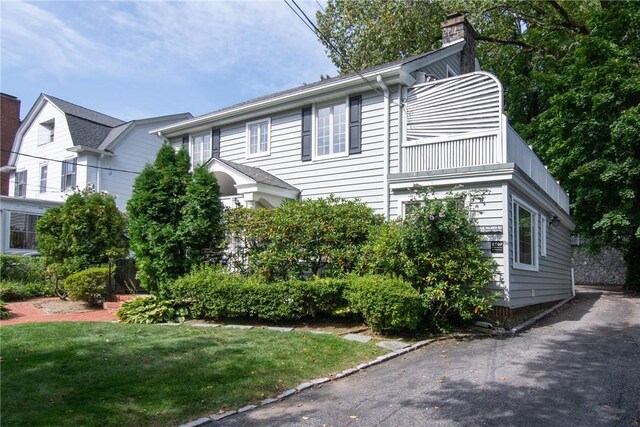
[213, 293]
[152, 310]
[385, 303]
[300, 238]
[4, 310]
[11, 290]
[22, 269]
[438, 251]
[89, 285]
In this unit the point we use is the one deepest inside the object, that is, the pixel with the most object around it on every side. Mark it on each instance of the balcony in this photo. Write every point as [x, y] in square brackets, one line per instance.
[459, 122]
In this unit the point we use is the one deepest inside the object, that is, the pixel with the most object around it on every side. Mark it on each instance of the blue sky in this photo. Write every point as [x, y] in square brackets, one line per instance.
[133, 60]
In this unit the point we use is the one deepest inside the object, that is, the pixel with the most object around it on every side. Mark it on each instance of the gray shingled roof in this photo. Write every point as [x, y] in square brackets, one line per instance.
[87, 127]
[84, 113]
[258, 175]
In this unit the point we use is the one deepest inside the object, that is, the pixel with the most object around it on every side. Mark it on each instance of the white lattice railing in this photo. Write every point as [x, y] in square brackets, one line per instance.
[459, 151]
[523, 156]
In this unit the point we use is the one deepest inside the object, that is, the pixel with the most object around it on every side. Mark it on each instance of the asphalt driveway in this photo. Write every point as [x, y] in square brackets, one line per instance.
[579, 367]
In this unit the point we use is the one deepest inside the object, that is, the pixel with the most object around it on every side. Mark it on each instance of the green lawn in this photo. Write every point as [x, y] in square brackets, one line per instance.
[103, 374]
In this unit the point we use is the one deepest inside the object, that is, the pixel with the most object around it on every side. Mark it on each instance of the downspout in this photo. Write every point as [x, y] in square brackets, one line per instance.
[387, 127]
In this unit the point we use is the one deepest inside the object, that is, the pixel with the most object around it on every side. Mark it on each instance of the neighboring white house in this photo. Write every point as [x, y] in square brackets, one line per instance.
[61, 146]
[433, 120]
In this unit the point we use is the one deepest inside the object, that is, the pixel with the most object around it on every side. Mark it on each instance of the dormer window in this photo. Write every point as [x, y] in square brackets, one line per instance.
[47, 132]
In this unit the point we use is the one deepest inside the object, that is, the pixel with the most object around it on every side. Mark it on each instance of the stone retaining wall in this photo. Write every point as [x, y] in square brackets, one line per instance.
[605, 268]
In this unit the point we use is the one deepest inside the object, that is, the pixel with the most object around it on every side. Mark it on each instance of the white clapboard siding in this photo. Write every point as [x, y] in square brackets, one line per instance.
[455, 122]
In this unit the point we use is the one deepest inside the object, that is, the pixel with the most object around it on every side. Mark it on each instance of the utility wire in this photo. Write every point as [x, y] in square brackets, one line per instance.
[312, 26]
[65, 161]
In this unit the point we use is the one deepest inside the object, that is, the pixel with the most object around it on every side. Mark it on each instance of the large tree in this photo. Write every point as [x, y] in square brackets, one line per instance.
[571, 75]
[174, 216]
[88, 229]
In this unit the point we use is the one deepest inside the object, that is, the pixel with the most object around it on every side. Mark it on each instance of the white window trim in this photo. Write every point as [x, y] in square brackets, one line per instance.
[544, 224]
[267, 153]
[403, 201]
[450, 72]
[46, 180]
[24, 184]
[70, 161]
[192, 144]
[314, 132]
[48, 136]
[516, 264]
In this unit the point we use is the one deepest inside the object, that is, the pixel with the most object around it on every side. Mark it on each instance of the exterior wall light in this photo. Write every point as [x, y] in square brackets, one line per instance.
[555, 221]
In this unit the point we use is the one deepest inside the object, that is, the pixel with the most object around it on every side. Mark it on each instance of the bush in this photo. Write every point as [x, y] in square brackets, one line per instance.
[22, 269]
[152, 310]
[4, 310]
[386, 304]
[14, 290]
[213, 293]
[89, 285]
[87, 230]
[437, 249]
[320, 237]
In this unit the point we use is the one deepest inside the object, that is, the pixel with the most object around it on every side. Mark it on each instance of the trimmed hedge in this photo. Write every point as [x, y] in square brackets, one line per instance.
[386, 304]
[22, 269]
[88, 285]
[213, 293]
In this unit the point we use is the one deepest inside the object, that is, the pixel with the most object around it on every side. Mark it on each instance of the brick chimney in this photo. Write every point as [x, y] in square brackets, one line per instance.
[455, 28]
[9, 123]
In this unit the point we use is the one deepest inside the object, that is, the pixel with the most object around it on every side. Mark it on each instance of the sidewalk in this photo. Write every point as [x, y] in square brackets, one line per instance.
[27, 312]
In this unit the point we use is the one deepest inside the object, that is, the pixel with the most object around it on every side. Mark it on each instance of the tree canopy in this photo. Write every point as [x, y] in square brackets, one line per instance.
[571, 75]
[175, 215]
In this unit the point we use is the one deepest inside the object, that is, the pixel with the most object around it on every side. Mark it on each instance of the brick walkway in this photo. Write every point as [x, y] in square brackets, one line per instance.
[26, 312]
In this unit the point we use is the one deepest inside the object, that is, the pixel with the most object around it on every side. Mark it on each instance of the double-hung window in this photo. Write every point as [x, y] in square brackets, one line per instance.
[20, 189]
[525, 221]
[47, 132]
[331, 130]
[43, 177]
[200, 149]
[69, 169]
[258, 141]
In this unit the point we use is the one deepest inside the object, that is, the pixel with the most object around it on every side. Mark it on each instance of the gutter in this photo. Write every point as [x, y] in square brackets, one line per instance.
[387, 127]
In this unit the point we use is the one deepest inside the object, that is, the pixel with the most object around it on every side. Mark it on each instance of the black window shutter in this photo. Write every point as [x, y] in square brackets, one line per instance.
[306, 134]
[215, 143]
[355, 117]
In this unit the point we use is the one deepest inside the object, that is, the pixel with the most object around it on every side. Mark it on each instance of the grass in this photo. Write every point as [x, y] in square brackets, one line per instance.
[103, 374]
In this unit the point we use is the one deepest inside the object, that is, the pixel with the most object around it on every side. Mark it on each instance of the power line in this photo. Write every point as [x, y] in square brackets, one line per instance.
[312, 26]
[66, 161]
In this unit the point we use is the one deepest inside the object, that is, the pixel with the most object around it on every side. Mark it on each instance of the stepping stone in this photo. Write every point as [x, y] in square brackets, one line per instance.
[239, 326]
[320, 332]
[168, 324]
[392, 345]
[357, 337]
[279, 329]
[247, 408]
[206, 325]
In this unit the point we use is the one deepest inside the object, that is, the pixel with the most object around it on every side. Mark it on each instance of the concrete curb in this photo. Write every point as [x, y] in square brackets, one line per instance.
[312, 383]
[528, 323]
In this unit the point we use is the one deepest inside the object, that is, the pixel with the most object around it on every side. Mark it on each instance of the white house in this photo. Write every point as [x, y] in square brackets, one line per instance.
[60, 146]
[433, 120]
